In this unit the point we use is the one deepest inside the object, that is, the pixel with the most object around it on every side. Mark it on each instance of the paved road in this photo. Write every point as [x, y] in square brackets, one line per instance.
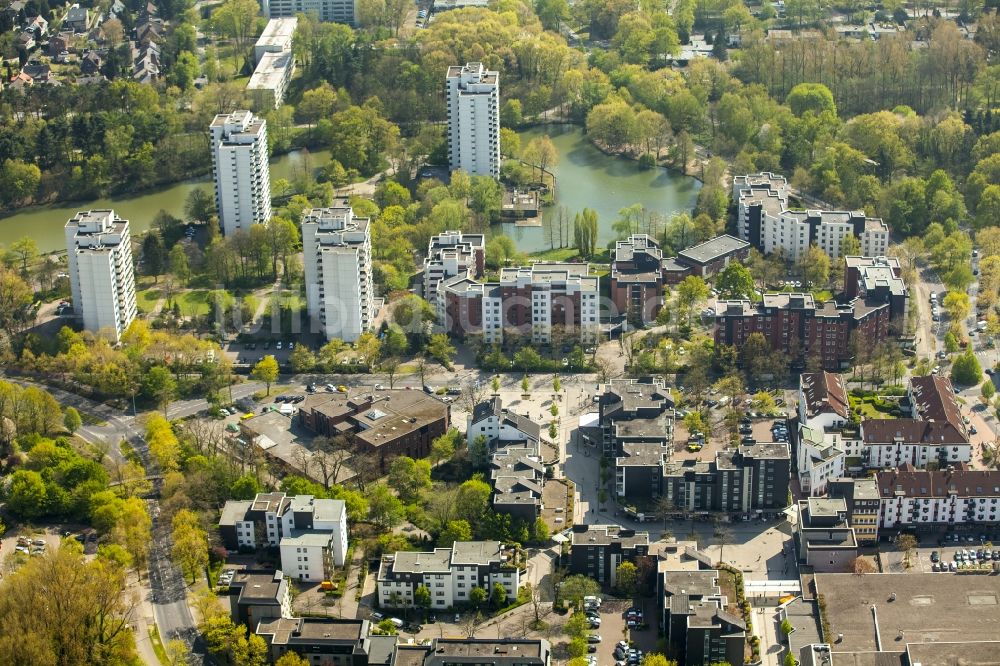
[165, 586]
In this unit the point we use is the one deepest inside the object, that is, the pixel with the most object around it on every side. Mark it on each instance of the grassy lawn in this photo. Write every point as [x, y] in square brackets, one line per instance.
[147, 298]
[873, 408]
[161, 652]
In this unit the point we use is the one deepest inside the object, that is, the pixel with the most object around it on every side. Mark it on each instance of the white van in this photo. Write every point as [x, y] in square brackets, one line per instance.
[396, 622]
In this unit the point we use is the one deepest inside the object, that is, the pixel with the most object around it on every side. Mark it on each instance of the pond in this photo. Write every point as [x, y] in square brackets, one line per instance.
[45, 223]
[589, 178]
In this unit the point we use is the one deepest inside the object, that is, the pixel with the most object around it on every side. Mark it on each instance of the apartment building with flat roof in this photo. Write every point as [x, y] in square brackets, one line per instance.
[765, 220]
[536, 302]
[310, 533]
[337, 262]
[241, 170]
[473, 99]
[796, 325]
[101, 276]
[452, 253]
[449, 573]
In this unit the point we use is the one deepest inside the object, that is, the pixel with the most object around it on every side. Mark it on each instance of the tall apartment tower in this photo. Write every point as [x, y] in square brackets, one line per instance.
[102, 280]
[474, 120]
[337, 259]
[241, 170]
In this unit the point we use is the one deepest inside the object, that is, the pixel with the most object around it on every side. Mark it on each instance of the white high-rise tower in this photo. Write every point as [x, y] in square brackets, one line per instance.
[99, 255]
[337, 262]
[241, 170]
[474, 120]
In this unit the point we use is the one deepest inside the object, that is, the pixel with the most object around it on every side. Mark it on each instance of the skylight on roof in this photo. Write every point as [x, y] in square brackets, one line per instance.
[374, 414]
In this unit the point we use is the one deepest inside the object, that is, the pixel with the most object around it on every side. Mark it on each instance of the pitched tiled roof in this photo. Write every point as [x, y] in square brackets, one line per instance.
[825, 391]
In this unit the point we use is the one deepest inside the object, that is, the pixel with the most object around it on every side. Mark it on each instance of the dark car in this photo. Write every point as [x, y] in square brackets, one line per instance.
[935, 557]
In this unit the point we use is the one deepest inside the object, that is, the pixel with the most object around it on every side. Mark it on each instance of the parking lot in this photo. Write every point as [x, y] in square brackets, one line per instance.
[964, 555]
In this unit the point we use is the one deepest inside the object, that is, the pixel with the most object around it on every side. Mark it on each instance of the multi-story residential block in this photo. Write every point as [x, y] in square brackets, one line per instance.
[597, 550]
[472, 651]
[764, 219]
[255, 596]
[637, 278]
[336, 11]
[517, 476]
[449, 254]
[695, 621]
[935, 434]
[337, 262]
[326, 641]
[538, 302]
[639, 271]
[473, 98]
[501, 427]
[275, 64]
[824, 411]
[388, 423]
[310, 533]
[449, 573]
[276, 38]
[752, 479]
[953, 496]
[796, 325]
[878, 279]
[646, 402]
[241, 170]
[824, 537]
[102, 280]
[862, 498]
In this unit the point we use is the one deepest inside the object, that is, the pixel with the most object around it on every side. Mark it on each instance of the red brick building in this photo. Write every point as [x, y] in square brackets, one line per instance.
[796, 325]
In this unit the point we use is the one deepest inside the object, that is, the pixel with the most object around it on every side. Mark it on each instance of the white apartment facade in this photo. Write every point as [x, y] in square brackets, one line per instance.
[336, 11]
[310, 533]
[275, 64]
[450, 574]
[765, 221]
[532, 301]
[337, 261]
[953, 496]
[473, 97]
[102, 279]
[241, 170]
[449, 254]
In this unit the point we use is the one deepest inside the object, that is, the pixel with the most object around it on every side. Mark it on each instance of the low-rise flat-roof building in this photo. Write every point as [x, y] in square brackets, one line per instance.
[876, 618]
[449, 573]
[824, 537]
[391, 422]
[276, 37]
[269, 82]
[255, 596]
[711, 257]
[597, 550]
